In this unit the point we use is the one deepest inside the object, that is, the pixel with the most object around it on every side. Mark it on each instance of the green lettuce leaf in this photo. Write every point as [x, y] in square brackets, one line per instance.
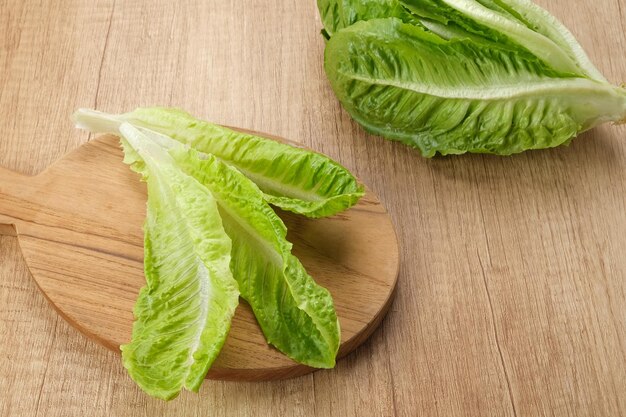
[296, 315]
[339, 14]
[460, 95]
[291, 178]
[539, 33]
[183, 314]
[516, 25]
[539, 20]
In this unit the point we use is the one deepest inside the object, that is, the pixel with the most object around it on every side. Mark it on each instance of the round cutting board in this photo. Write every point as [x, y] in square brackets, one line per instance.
[79, 225]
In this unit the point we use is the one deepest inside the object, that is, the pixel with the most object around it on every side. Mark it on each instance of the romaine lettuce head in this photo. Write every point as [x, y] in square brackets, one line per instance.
[452, 96]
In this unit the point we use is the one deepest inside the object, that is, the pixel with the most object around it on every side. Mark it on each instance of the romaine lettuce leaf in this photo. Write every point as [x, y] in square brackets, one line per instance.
[455, 96]
[183, 314]
[498, 23]
[517, 25]
[296, 315]
[539, 20]
[339, 14]
[291, 178]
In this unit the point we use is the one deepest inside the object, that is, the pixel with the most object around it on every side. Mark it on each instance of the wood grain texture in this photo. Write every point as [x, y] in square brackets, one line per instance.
[79, 228]
[511, 298]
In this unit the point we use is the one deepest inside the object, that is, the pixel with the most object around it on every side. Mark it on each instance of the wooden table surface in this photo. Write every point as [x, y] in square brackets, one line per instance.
[511, 301]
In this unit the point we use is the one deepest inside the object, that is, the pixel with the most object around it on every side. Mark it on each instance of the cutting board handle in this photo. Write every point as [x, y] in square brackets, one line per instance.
[12, 189]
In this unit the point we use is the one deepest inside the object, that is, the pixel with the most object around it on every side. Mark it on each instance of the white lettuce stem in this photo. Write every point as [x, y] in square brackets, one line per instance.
[97, 122]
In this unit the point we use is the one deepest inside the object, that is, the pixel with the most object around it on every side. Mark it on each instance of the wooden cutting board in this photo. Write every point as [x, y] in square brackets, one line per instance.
[79, 226]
